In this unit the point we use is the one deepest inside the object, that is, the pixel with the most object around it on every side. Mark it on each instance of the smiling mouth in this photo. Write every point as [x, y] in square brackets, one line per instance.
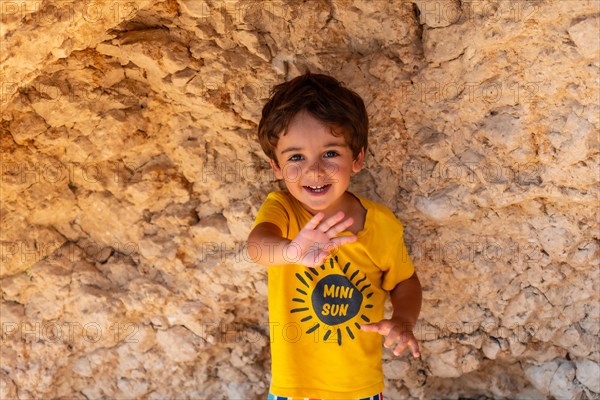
[317, 189]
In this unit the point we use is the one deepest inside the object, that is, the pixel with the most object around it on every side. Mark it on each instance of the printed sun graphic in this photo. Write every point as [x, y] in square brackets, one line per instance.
[331, 301]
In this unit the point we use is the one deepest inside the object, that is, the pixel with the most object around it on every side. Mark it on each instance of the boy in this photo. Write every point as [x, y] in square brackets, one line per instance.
[332, 255]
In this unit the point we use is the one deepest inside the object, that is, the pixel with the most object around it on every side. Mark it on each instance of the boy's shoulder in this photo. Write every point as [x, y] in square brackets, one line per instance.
[379, 214]
[281, 196]
[283, 199]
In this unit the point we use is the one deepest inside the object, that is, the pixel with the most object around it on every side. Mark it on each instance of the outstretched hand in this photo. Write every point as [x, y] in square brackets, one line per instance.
[317, 239]
[398, 335]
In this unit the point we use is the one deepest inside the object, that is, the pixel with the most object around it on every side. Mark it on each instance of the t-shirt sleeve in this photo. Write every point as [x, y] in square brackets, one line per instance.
[398, 265]
[273, 210]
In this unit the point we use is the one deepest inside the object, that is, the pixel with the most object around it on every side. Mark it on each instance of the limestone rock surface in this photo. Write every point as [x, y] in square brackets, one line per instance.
[131, 175]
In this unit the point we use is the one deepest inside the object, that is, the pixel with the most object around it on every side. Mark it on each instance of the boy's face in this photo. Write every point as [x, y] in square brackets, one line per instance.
[315, 165]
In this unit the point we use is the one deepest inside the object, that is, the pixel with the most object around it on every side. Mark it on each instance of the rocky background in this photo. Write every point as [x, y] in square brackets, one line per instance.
[131, 176]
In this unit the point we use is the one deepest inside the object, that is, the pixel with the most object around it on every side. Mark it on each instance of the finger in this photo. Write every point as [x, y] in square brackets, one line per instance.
[329, 222]
[414, 348]
[370, 327]
[379, 327]
[314, 221]
[390, 339]
[334, 230]
[400, 348]
[341, 240]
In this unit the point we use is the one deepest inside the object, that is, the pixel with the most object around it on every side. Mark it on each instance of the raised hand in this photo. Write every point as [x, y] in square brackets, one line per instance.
[317, 239]
[398, 335]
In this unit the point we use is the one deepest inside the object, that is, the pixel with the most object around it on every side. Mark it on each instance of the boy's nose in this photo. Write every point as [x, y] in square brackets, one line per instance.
[317, 170]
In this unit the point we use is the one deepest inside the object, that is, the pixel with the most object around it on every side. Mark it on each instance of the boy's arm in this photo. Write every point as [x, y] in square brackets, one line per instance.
[406, 300]
[266, 244]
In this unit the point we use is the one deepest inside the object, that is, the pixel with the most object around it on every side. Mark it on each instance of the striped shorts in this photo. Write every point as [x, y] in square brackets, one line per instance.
[273, 397]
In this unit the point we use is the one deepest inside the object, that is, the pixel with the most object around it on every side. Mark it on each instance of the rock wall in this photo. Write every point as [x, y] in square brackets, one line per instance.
[131, 176]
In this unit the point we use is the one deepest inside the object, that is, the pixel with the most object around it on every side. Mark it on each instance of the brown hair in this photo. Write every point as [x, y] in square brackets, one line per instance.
[325, 99]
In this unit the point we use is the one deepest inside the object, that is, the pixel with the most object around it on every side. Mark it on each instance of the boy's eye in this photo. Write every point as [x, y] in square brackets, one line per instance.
[331, 153]
[295, 157]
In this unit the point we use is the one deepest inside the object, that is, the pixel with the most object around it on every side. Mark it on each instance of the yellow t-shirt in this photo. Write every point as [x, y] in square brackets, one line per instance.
[317, 347]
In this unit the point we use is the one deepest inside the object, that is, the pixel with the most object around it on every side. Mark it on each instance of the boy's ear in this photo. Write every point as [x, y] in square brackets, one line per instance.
[359, 162]
[276, 169]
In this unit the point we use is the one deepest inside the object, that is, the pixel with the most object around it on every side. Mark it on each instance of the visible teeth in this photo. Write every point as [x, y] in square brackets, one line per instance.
[317, 188]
